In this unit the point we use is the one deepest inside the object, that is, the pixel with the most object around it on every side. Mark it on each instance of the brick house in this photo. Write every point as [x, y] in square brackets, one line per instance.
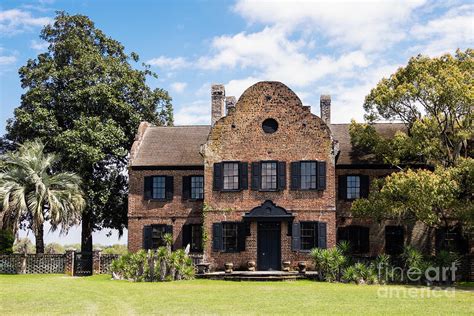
[266, 182]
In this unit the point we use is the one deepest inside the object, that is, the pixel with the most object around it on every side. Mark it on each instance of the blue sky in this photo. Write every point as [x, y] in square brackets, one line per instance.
[342, 48]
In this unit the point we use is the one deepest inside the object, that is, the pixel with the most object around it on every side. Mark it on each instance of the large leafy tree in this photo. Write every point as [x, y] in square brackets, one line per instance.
[434, 99]
[85, 100]
[31, 189]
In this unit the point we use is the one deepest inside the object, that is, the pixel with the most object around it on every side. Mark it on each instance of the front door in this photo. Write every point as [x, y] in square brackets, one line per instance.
[268, 246]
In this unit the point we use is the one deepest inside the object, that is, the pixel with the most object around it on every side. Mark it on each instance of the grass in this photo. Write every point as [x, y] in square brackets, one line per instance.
[60, 294]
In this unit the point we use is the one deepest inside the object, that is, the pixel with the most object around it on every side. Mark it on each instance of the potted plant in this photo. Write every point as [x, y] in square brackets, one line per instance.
[302, 266]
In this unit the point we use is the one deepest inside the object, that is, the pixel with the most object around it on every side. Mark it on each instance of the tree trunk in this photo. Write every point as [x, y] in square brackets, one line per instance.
[39, 238]
[86, 234]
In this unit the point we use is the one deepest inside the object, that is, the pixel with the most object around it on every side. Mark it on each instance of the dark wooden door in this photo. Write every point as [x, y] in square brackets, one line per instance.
[268, 246]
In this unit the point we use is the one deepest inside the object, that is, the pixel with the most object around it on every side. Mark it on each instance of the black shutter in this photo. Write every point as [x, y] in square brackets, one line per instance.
[295, 237]
[322, 233]
[218, 177]
[364, 186]
[169, 188]
[364, 239]
[186, 195]
[147, 235]
[148, 188]
[169, 229]
[217, 242]
[255, 176]
[321, 175]
[295, 175]
[244, 175]
[342, 187]
[186, 235]
[281, 175]
[241, 234]
[247, 229]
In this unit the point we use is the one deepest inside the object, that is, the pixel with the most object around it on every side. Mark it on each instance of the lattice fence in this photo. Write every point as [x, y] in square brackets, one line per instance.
[45, 263]
[10, 264]
[106, 261]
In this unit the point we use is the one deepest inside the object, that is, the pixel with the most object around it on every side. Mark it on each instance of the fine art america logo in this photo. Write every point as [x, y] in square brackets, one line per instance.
[432, 275]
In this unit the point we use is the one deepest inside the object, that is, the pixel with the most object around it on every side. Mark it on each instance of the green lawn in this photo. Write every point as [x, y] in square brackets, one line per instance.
[59, 294]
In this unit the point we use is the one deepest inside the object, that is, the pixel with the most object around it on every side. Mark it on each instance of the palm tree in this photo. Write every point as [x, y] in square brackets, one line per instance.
[30, 189]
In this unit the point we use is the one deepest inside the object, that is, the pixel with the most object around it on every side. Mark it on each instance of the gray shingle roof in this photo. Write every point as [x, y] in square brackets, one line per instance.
[171, 146]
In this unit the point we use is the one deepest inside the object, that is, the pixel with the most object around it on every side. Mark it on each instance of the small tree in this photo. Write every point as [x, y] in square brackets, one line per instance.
[31, 190]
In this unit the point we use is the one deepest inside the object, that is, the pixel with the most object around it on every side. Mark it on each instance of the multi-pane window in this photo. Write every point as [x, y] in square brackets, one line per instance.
[308, 175]
[353, 187]
[196, 237]
[158, 231]
[229, 234]
[309, 233]
[231, 176]
[197, 187]
[159, 188]
[269, 176]
[357, 236]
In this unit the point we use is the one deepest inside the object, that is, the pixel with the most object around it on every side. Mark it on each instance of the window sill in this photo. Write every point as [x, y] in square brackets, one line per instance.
[158, 200]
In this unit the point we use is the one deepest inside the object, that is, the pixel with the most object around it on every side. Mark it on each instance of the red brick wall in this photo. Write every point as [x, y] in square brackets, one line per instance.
[143, 212]
[416, 234]
[239, 137]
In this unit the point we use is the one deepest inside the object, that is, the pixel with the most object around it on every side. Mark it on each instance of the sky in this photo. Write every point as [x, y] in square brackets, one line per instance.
[341, 48]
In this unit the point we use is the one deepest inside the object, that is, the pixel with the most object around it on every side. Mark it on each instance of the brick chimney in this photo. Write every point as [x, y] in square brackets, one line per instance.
[217, 102]
[230, 104]
[325, 105]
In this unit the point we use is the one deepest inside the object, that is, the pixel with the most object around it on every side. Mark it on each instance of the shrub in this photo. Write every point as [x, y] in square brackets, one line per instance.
[7, 238]
[360, 273]
[413, 261]
[155, 265]
[329, 262]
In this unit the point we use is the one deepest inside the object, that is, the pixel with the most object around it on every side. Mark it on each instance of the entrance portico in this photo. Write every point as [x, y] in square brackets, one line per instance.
[268, 217]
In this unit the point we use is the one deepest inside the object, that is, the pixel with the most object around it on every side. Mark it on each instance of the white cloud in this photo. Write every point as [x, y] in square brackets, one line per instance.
[194, 113]
[168, 62]
[276, 57]
[16, 21]
[39, 46]
[454, 29]
[368, 25]
[178, 86]
[237, 86]
[7, 60]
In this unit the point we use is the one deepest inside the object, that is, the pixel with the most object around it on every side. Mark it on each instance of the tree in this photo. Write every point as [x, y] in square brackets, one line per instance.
[432, 197]
[31, 189]
[85, 101]
[24, 246]
[434, 99]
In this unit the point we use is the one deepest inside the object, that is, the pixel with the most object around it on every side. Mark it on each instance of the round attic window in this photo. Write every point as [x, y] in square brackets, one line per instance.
[270, 126]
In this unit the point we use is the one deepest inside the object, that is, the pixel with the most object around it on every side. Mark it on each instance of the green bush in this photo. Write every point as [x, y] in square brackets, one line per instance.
[7, 239]
[330, 262]
[155, 265]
